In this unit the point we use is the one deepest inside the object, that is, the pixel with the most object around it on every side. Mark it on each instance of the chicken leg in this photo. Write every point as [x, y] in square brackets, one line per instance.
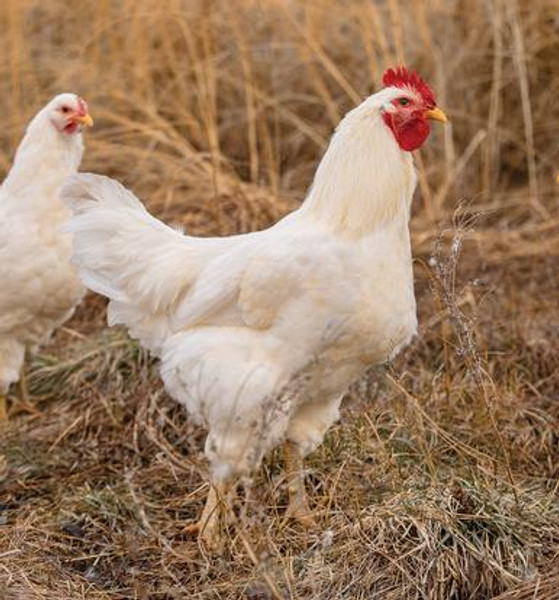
[298, 507]
[3, 408]
[23, 390]
[210, 526]
[23, 403]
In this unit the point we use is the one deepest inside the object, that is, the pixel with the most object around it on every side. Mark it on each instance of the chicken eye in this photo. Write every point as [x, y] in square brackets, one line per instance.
[403, 101]
[65, 109]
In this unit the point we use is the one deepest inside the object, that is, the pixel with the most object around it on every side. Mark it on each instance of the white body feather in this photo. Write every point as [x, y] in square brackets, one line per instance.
[40, 287]
[314, 300]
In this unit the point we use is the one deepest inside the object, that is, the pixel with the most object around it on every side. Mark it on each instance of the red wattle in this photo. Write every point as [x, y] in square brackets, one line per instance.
[71, 127]
[410, 135]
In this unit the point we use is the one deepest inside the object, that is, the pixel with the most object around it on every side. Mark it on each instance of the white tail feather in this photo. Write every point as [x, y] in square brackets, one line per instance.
[143, 266]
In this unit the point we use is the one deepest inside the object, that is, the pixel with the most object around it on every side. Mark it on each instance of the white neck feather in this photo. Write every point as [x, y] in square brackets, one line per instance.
[364, 179]
[44, 156]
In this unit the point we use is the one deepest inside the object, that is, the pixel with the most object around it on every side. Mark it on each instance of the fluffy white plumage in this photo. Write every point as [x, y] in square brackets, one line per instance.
[314, 300]
[40, 287]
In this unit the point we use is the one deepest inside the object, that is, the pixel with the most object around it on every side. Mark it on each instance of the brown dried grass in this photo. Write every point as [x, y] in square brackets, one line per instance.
[441, 480]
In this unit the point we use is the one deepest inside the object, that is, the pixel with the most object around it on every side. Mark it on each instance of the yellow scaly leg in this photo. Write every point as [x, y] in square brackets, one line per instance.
[298, 507]
[3, 408]
[210, 527]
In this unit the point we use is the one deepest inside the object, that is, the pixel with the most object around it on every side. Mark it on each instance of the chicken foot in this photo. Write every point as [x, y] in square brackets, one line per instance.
[298, 507]
[210, 527]
[23, 403]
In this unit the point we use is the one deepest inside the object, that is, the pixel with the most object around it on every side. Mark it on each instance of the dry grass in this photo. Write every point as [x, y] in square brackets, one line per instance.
[441, 480]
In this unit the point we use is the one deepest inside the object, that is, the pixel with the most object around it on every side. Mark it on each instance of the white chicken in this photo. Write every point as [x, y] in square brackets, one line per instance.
[40, 287]
[260, 335]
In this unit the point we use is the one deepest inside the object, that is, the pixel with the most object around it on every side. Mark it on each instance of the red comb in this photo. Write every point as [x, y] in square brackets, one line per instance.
[400, 77]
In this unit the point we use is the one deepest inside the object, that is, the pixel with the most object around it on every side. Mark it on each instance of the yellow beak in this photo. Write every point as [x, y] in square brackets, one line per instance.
[436, 114]
[86, 119]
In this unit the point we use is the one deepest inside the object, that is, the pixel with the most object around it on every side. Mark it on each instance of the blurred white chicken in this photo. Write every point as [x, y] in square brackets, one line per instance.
[260, 335]
[40, 287]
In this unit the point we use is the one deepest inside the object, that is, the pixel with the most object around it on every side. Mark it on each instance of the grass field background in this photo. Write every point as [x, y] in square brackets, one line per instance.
[441, 480]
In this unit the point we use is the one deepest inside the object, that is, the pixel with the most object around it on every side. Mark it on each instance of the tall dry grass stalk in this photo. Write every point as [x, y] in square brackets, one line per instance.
[249, 92]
